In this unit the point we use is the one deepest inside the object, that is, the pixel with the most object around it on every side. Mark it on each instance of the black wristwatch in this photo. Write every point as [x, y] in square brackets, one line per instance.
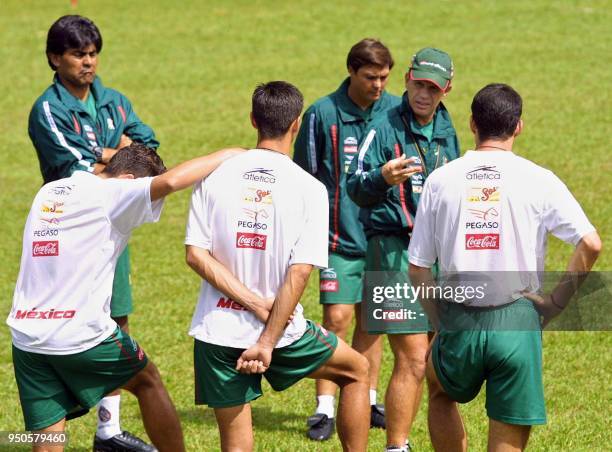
[97, 151]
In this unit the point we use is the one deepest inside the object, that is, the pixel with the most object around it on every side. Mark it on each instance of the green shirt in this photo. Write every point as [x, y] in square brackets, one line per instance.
[391, 209]
[90, 106]
[325, 147]
[64, 131]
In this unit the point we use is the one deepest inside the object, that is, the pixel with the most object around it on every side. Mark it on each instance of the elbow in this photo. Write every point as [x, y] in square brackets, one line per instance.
[191, 258]
[592, 243]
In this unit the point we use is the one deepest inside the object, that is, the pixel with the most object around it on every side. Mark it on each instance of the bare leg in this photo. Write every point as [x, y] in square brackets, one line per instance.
[507, 437]
[445, 425]
[336, 318]
[236, 428]
[349, 370]
[57, 427]
[406, 384]
[369, 345]
[123, 324]
[158, 413]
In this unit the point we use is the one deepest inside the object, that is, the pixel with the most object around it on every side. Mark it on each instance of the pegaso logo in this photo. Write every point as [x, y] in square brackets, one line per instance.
[483, 172]
[260, 175]
[252, 225]
[47, 232]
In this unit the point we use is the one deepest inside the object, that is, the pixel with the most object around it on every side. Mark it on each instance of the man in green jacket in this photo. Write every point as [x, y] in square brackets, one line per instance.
[326, 144]
[386, 180]
[77, 124]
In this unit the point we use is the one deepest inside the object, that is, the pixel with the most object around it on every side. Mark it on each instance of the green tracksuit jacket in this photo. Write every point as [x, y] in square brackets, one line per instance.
[326, 144]
[391, 209]
[64, 134]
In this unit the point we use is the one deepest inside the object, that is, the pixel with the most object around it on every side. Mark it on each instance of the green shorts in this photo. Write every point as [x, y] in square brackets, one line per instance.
[509, 361]
[53, 387]
[386, 266]
[342, 281]
[121, 302]
[218, 384]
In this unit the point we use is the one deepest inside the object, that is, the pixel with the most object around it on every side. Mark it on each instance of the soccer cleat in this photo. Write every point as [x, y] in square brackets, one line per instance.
[320, 427]
[123, 442]
[377, 416]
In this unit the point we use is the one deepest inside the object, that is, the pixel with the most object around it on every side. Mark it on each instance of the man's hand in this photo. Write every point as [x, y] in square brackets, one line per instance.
[545, 306]
[398, 170]
[255, 360]
[124, 141]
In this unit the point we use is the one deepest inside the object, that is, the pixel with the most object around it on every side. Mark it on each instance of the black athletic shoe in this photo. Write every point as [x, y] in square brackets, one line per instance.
[377, 416]
[320, 427]
[123, 442]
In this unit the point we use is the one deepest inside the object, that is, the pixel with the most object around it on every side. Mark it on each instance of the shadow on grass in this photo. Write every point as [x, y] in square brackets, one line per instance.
[264, 419]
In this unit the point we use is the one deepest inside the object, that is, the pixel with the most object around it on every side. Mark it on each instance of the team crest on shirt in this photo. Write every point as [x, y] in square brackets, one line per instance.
[50, 223]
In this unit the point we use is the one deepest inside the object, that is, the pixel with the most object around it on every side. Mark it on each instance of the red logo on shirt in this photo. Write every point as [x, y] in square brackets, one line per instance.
[251, 240]
[47, 315]
[329, 285]
[47, 248]
[482, 241]
[228, 303]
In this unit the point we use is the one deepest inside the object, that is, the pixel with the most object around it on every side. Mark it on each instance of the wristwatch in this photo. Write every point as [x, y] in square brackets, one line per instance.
[97, 151]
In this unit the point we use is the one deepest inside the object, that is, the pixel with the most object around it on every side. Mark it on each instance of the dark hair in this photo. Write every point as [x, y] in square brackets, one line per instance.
[275, 105]
[496, 110]
[369, 51]
[72, 32]
[136, 159]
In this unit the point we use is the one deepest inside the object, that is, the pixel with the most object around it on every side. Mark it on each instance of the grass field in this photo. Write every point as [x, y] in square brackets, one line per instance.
[190, 67]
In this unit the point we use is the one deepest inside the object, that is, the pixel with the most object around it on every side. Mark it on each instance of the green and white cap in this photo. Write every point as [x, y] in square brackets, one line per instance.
[432, 65]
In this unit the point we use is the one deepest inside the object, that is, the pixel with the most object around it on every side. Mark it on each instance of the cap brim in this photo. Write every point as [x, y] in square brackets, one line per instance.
[436, 79]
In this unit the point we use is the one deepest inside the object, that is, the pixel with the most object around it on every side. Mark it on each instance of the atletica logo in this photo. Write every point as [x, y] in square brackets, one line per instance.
[260, 175]
[483, 172]
[51, 314]
[61, 190]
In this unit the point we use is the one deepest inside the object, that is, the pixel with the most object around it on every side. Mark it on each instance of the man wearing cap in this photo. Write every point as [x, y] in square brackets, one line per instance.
[78, 124]
[386, 180]
[327, 143]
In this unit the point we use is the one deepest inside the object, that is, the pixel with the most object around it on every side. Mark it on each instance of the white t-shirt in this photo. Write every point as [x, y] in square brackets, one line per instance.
[490, 211]
[257, 214]
[76, 230]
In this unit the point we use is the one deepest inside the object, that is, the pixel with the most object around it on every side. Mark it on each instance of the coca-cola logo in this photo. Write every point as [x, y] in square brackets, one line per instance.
[482, 241]
[251, 240]
[330, 285]
[46, 248]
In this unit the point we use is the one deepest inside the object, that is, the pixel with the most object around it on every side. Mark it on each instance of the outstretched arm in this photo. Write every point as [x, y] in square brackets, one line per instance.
[257, 358]
[188, 173]
[219, 276]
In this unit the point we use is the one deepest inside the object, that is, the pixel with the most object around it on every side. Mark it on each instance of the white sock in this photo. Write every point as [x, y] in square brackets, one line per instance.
[372, 396]
[108, 417]
[326, 404]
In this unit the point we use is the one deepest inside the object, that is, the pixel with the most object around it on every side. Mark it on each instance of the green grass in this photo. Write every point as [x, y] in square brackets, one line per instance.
[190, 67]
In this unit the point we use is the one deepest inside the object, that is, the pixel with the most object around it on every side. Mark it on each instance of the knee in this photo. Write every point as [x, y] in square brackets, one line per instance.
[361, 369]
[148, 378]
[411, 365]
[336, 320]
